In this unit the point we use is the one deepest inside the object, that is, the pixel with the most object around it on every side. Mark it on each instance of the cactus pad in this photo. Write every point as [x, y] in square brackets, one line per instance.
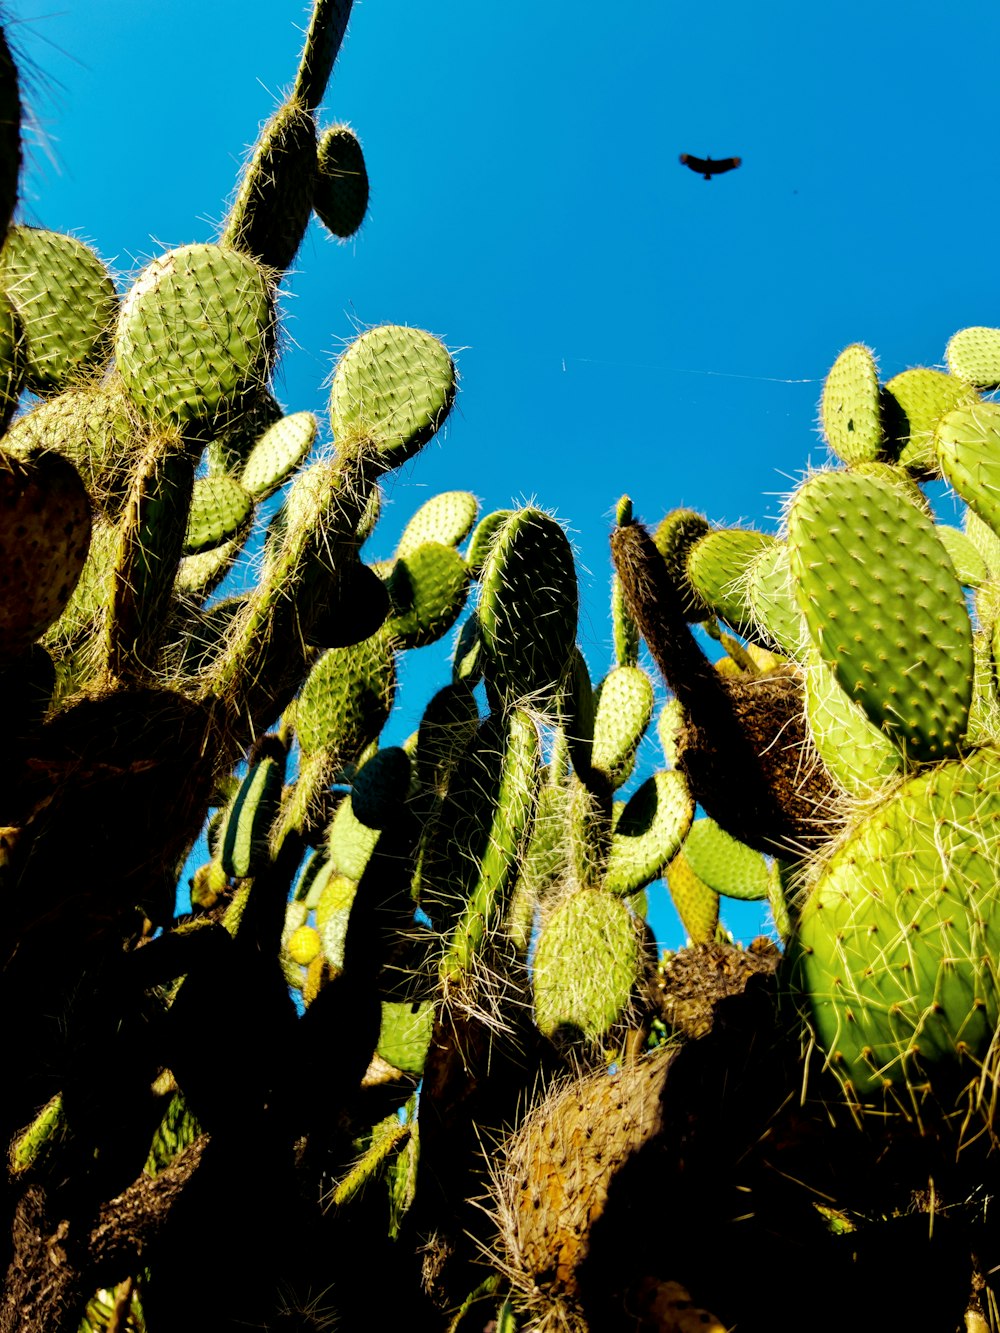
[899, 937]
[528, 606]
[894, 629]
[973, 355]
[586, 963]
[341, 195]
[196, 335]
[850, 408]
[392, 388]
[44, 539]
[648, 833]
[66, 301]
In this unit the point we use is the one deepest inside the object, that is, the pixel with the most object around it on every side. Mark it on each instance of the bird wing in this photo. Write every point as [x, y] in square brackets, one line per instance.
[710, 166]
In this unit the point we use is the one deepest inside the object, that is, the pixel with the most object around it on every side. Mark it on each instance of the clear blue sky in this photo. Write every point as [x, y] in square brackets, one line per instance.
[619, 323]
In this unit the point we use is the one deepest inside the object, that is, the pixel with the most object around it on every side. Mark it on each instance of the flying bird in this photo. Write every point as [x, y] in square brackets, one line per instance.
[708, 166]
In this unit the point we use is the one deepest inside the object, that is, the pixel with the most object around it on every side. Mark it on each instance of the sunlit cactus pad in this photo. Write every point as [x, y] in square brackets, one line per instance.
[392, 388]
[67, 304]
[973, 354]
[884, 608]
[196, 335]
[850, 409]
[586, 964]
[900, 935]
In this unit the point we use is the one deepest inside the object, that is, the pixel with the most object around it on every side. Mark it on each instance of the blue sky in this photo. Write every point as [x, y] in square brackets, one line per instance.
[619, 323]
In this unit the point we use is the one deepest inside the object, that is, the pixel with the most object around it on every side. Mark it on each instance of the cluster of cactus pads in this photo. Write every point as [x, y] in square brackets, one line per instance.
[410, 1059]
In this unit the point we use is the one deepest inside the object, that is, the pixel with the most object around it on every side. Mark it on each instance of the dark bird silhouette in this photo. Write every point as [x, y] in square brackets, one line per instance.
[709, 166]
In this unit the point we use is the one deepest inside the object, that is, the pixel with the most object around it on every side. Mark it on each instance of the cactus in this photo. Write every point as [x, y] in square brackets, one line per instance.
[465, 911]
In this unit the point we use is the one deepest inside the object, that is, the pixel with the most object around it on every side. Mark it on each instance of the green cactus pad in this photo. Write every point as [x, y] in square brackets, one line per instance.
[648, 833]
[775, 611]
[446, 518]
[719, 566]
[968, 446]
[499, 854]
[349, 842]
[894, 627]
[473, 844]
[199, 575]
[984, 539]
[925, 396]
[45, 1133]
[696, 904]
[150, 545]
[220, 507]
[405, 1035]
[973, 355]
[427, 591]
[246, 842]
[624, 631]
[726, 865]
[347, 698]
[969, 565]
[850, 408]
[196, 335]
[586, 964]
[13, 360]
[88, 597]
[44, 539]
[624, 702]
[234, 438]
[392, 389]
[482, 539]
[66, 301]
[96, 428]
[984, 715]
[467, 662]
[273, 204]
[528, 607]
[333, 913]
[278, 452]
[858, 755]
[898, 939]
[674, 537]
[668, 729]
[900, 480]
[576, 717]
[341, 195]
